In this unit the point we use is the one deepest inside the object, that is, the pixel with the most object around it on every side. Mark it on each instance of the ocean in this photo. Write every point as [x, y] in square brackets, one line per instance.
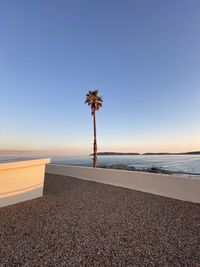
[173, 163]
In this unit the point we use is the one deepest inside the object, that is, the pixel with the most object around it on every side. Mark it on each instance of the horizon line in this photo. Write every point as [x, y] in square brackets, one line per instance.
[54, 151]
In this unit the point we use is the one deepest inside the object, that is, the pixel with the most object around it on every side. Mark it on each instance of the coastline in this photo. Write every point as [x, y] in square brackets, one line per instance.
[188, 165]
[146, 153]
[146, 170]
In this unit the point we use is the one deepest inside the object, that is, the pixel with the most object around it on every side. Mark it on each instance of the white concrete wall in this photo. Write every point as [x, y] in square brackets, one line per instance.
[179, 187]
[22, 180]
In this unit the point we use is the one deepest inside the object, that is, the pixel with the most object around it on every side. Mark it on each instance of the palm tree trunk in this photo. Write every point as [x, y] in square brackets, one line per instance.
[95, 142]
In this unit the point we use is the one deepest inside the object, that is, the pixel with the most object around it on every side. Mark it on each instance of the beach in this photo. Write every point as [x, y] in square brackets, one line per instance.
[84, 223]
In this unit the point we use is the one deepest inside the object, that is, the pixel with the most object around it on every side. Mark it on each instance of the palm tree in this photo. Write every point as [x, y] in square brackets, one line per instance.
[95, 102]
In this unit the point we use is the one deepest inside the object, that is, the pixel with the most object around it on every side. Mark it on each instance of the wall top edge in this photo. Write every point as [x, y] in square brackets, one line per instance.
[103, 170]
[25, 163]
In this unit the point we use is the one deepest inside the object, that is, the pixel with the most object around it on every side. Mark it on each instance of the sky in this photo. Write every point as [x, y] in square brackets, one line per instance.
[143, 56]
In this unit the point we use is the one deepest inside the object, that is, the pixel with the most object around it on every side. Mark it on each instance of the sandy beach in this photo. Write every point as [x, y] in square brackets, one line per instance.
[82, 223]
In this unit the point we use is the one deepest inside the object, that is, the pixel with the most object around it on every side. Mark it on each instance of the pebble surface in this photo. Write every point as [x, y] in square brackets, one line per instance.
[82, 223]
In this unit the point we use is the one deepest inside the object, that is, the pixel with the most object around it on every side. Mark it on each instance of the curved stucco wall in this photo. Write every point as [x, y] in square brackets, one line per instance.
[179, 187]
[22, 180]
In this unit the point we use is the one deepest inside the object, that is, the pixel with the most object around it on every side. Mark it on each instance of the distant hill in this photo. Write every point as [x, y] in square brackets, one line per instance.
[192, 153]
[115, 153]
[159, 153]
[149, 153]
[182, 153]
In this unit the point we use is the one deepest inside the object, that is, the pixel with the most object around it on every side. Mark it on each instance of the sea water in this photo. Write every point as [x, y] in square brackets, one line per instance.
[173, 163]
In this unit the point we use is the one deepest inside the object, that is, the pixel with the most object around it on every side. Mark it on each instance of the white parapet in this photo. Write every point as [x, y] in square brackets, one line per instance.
[22, 180]
[174, 186]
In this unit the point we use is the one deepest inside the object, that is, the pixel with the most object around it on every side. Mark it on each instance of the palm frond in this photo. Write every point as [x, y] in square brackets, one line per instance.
[94, 100]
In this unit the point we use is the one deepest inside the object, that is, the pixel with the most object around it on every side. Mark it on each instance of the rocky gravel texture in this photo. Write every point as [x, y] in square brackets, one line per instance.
[81, 223]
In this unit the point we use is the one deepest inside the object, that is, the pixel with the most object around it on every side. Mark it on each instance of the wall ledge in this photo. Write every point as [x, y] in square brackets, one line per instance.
[181, 187]
[23, 164]
[21, 180]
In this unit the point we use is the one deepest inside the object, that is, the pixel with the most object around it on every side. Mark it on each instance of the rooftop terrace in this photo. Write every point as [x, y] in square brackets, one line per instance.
[84, 223]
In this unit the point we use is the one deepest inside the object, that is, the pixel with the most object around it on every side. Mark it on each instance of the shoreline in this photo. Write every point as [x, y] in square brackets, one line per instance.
[147, 153]
[146, 170]
[151, 170]
[122, 164]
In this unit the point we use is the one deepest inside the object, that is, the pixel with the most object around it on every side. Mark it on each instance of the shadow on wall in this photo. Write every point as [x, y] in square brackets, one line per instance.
[29, 194]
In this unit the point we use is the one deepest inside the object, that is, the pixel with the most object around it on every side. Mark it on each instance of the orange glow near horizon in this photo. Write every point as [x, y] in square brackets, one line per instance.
[78, 146]
[87, 151]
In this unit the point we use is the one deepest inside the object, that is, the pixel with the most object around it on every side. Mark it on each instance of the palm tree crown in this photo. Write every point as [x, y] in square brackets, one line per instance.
[94, 100]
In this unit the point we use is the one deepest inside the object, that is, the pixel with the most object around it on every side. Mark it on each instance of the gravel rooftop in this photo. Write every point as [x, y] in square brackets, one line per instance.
[82, 223]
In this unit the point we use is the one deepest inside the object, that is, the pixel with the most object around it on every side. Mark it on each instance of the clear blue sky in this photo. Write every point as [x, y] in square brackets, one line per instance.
[144, 56]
